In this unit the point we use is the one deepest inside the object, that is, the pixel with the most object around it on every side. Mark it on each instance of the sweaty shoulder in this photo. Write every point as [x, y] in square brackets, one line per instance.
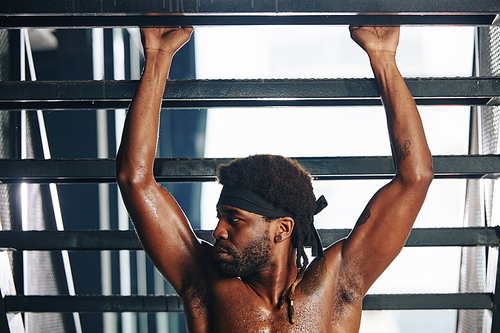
[197, 295]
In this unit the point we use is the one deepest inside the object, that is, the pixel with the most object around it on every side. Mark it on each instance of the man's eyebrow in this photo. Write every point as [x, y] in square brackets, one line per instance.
[232, 211]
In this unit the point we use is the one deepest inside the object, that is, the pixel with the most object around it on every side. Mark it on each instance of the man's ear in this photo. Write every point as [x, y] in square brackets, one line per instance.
[285, 229]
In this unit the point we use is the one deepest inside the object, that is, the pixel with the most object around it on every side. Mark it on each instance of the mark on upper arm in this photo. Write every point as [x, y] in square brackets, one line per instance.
[364, 217]
[401, 150]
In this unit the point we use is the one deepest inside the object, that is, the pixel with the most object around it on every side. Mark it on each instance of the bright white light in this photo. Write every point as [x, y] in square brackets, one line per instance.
[118, 54]
[98, 53]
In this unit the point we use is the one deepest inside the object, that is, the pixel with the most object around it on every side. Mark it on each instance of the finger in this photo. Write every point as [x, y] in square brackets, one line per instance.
[353, 28]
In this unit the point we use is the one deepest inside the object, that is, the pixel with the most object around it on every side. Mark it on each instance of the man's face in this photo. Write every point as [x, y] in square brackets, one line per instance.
[242, 244]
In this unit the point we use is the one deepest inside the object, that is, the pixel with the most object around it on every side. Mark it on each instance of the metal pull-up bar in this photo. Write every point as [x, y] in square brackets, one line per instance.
[82, 13]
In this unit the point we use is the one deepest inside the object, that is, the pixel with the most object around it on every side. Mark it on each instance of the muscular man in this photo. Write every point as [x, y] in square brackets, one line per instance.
[256, 278]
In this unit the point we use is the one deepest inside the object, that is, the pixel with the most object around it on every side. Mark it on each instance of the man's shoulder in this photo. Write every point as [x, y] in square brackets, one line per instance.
[331, 275]
[203, 271]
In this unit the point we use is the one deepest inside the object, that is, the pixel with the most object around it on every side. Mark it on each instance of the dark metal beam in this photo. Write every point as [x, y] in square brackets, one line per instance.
[84, 13]
[15, 95]
[90, 240]
[4, 323]
[204, 169]
[124, 7]
[172, 303]
[454, 237]
[94, 303]
[111, 20]
[470, 301]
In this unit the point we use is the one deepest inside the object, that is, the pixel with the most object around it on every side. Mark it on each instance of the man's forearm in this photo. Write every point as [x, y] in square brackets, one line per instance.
[405, 126]
[135, 157]
[138, 146]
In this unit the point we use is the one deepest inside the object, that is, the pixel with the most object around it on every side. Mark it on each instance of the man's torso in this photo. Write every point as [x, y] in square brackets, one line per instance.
[322, 304]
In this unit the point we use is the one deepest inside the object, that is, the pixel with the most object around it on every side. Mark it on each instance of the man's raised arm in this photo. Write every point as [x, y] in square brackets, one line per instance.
[161, 225]
[384, 225]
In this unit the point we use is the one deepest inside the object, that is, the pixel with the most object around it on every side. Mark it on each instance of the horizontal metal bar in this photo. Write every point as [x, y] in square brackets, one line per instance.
[172, 303]
[125, 7]
[73, 240]
[93, 303]
[197, 104]
[87, 240]
[430, 236]
[204, 169]
[470, 301]
[454, 237]
[15, 95]
[113, 20]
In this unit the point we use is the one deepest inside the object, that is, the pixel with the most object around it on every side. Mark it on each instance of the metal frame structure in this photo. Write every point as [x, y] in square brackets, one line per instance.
[203, 94]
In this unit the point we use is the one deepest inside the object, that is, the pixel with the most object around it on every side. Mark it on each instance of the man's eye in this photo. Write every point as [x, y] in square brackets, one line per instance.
[233, 219]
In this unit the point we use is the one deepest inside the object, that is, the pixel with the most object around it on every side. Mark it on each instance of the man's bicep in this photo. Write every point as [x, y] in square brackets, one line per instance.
[382, 229]
[164, 232]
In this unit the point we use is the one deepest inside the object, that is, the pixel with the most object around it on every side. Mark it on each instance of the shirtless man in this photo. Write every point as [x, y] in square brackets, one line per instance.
[251, 280]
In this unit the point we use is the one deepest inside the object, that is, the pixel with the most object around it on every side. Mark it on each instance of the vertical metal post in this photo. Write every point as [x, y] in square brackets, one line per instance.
[129, 319]
[110, 320]
[4, 325]
[17, 256]
[162, 319]
[13, 322]
[495, 326]
[141, 262]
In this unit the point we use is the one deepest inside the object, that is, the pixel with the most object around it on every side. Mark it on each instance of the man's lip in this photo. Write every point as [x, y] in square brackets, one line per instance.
[220, 254]
[217, 249]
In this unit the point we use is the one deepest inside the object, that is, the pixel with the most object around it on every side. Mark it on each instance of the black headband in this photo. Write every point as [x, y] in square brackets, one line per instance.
[252, 202]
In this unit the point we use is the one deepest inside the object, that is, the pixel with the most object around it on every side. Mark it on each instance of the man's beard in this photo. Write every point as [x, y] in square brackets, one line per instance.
[254, 257]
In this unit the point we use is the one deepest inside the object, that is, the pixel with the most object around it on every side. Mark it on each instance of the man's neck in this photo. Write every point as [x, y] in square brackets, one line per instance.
[270, 283]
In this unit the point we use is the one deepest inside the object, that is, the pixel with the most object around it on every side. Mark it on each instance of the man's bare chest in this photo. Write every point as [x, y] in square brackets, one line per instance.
[230, 305]
[244, 311]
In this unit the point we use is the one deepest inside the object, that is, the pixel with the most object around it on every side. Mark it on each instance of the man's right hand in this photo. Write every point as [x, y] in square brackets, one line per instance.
[167, 39]
[376, 39]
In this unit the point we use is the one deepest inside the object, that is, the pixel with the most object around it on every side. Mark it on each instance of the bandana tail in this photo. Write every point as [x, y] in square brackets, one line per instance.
[317, 248]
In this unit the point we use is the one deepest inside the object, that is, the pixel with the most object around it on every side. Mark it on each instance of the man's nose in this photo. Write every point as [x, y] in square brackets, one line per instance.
[220, 232]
